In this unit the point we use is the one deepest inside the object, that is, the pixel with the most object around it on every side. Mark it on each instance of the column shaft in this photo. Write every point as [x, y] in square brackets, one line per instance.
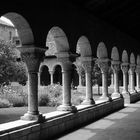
[116, 82]
[132, 82]
[125, 83]
[80, 80]
[66, 88]
[104, 85]
[51, 76]
[33, 93]
[138, 81]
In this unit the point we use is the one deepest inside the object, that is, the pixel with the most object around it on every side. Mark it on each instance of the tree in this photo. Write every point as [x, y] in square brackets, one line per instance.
[11, 69]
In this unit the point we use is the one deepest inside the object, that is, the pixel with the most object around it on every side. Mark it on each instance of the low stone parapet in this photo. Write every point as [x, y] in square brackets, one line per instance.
[59, 122]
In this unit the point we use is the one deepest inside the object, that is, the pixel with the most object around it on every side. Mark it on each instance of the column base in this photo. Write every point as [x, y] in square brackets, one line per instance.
[116, 95]
[67, 108]
[88, 102]
[105, 98]
[138, 90]
[132, 91]
[30, 117]
[125, 93]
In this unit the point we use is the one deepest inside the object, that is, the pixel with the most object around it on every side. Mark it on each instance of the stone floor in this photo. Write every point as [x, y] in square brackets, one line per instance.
[121, 125]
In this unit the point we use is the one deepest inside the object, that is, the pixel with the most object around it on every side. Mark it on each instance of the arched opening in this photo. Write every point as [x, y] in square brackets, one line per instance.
[56, 41]
[44, 76]
[21, 25]
[13, 70]
[57, 75]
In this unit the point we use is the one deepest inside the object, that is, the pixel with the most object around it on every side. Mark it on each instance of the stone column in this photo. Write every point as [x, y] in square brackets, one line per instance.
[51, 76]
[39, 83]
[116, 68]
[137, 78]
[112, 80]
[124, 68]
[66, 88]
[132, 81]
[89, 95]
[32, 56]
[103, 64]
[79, 71]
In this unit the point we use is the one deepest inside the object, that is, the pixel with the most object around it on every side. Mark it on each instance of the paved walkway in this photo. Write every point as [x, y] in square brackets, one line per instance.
[122, 125]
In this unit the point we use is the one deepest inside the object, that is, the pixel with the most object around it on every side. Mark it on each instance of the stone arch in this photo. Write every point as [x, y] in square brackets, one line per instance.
[102, 50]
[22, 26]
[132, 58]
[57, 76]
[115, 54]
[83, 47]
[56, 41]
[124, 57]
[138, 60]
[44, 76]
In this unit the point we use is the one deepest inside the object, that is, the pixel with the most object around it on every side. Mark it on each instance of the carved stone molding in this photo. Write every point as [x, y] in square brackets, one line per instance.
[79, 69]
[137, 70]
[103, 66]
[124, 67]
[32, 56]
[115, 67]
[87, 65]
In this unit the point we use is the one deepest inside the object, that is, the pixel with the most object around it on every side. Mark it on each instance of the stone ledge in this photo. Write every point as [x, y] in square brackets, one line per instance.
[62, 122]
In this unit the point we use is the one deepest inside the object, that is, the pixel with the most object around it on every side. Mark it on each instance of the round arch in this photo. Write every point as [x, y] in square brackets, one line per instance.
[57, 76]
[83, 47]
[22, 26]
[56, 41]
[44, 76]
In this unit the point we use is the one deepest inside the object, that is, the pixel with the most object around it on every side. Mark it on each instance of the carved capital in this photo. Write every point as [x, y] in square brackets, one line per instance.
[32, 56]
[137, 70]
[125, 67]
[115, 67]
[87, 65]
[65, 63]
[103, 66]
[79, 69]
[132, 68]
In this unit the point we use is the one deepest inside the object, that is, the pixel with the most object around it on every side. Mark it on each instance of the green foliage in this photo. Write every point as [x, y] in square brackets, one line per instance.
[97, 75]
[10, 69]
[13, 96]
[4, 103]
[50, 95]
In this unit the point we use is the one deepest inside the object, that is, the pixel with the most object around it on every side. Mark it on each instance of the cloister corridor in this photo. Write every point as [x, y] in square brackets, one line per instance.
[67, 45]
[121, 125]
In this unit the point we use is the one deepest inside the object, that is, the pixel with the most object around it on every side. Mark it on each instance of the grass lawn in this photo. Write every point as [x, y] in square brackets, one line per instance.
[14, 113]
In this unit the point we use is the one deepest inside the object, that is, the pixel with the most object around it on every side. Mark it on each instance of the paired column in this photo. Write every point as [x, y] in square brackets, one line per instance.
[116, 68]
[39, 84]
[124, 68]
[103, 64]
[66, 88]
[137, 78]
[32, 56]
[51, 76]
[79, 71]
[87, 65]
[131, 76]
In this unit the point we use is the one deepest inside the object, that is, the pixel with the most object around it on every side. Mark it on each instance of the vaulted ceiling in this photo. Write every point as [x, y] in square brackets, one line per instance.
[123, 14]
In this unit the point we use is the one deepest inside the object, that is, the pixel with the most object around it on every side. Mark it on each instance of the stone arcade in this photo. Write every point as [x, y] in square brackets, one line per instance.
[70, 47]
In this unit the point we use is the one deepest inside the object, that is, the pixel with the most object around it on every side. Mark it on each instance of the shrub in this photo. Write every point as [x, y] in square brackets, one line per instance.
[14, 97]
[77, 97]
[51, 94]
[43, 99]
[4, 103]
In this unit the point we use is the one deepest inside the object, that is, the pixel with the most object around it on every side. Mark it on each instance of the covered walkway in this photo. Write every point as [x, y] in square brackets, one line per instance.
[121, 125]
